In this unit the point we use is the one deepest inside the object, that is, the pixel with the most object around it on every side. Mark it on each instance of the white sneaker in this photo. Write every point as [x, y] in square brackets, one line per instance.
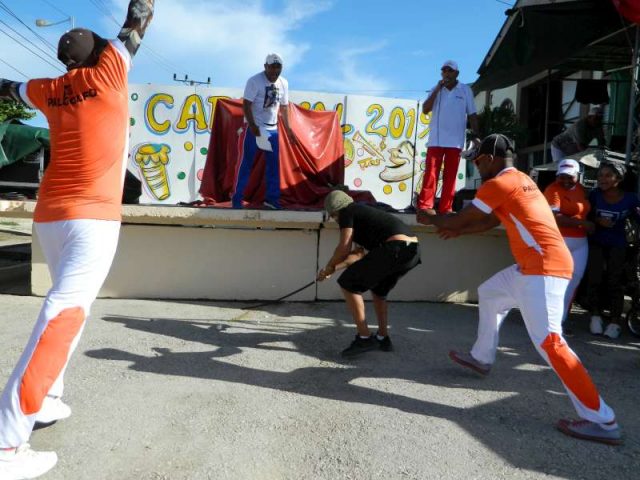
[613, 331]
[25, 463]
[596, 325]
[53, 409]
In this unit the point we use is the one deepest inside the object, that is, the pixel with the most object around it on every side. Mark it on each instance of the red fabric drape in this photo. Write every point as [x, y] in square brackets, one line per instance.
[630, 9]
[307, 170]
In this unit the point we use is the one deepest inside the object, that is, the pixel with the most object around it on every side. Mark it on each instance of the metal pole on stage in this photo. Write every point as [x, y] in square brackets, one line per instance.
[546, 118]
[631, 121]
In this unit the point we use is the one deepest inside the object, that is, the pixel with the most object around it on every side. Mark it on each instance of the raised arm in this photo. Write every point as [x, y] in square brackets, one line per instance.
[139, 16]
[10, 90]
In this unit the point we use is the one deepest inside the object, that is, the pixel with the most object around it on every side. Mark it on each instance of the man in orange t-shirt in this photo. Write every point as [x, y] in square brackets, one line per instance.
[77, 220]
[536, 284]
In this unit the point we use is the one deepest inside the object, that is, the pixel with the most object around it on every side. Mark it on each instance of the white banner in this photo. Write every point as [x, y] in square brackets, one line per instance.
[385, 140]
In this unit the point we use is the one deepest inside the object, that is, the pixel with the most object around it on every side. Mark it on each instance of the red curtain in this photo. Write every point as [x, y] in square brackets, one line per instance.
[307, 170]
[630, 9]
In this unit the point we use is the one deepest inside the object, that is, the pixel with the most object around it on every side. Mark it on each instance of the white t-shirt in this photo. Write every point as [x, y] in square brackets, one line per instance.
[266, 98]
[449, 116]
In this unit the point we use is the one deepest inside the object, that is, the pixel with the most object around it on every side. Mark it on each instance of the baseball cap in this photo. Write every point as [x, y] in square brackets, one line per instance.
[76, 46]
[451, 64]
[273, 58]
[596, 110]
[568, 167]
[497, 145]
[336, 201]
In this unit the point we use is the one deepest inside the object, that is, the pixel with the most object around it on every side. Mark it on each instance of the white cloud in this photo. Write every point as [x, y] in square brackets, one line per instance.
[227, 40]
[348, 76]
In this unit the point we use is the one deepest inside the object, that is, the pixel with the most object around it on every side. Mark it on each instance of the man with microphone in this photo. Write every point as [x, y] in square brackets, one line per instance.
[450, 103]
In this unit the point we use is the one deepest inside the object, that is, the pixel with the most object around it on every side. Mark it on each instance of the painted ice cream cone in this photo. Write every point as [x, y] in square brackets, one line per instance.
[152, 159]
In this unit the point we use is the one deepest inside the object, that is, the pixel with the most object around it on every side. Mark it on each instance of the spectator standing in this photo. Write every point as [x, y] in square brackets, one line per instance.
[569, 203]
[610, 206]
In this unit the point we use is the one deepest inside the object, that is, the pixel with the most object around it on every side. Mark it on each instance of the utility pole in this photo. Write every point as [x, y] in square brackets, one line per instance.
[188, 81]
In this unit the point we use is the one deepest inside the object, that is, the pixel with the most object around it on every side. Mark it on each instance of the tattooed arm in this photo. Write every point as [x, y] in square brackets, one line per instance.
[10, 90]
[139, 16]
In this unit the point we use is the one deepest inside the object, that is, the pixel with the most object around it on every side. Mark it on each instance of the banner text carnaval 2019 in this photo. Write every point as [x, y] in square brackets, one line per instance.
[196, 112]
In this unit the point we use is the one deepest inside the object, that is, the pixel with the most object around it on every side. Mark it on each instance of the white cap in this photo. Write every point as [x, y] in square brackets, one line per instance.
[451, 64]
[596, 110]
[273, 58]
[568, 167]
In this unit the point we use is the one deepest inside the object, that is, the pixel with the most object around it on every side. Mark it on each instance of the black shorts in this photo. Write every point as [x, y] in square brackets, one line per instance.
[381, 268]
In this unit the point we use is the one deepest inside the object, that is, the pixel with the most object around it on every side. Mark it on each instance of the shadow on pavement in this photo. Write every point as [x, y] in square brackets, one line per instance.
[521, 420]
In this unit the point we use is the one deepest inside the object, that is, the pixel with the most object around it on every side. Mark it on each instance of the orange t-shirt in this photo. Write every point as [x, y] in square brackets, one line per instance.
[533, 234]
[570, 203]
[87, 111]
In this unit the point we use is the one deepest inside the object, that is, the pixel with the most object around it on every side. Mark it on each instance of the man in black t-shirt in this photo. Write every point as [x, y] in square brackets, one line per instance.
[387, 249]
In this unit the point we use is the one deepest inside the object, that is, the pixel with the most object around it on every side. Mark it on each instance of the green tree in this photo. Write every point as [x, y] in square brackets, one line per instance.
[502, 120]
[10, 110]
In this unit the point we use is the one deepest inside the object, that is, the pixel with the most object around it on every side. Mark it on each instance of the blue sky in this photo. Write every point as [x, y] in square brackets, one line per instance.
[375, 47]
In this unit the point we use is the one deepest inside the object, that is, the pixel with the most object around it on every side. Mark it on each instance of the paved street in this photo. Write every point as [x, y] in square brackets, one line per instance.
[195, 390]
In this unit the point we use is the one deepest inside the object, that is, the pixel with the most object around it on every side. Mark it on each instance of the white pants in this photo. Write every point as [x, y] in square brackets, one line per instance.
[579, 248]
[79, 255]
[540, 299]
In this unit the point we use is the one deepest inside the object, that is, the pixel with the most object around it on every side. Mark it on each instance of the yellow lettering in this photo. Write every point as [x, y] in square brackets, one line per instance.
[396, 122]
[192, 111]
[213, 101]
[377, 111]
[425, 120]
[150, 112]
[412, 123]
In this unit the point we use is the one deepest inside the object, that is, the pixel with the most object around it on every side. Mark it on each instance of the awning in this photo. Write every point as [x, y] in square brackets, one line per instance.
[17, 141]
[566, 35]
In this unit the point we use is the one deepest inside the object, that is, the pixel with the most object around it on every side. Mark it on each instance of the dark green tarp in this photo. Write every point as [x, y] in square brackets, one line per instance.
[540, 35]
[18, 141]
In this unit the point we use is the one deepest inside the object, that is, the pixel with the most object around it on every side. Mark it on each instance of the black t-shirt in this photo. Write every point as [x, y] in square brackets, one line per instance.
[371, 227]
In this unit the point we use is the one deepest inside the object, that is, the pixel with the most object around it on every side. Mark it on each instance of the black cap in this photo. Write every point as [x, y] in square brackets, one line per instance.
[76, 47]
[497, 145]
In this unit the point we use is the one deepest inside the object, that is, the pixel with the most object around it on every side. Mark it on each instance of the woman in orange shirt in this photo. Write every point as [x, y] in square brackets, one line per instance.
[570, 205]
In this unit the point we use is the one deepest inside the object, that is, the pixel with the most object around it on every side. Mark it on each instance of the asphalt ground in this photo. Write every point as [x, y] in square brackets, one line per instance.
[206, 390]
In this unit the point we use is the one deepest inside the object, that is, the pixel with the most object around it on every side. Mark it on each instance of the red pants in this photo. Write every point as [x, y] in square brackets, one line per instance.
[435, 156]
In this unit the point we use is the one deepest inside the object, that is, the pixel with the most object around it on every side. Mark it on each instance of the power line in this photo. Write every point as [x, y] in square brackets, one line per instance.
[41, 38]
[152, 54]
[13, 68]
[46, 53]
[27, 48]
[102, 8]
[52, 5]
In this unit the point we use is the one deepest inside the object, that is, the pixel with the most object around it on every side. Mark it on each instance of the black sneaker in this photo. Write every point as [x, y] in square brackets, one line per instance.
[360, 345]
[385, 344]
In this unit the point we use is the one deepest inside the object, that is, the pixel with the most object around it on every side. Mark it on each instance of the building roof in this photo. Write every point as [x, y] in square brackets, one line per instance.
[566, 35]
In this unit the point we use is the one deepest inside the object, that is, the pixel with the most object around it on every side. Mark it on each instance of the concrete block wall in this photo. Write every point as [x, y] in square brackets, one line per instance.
[221, 254]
